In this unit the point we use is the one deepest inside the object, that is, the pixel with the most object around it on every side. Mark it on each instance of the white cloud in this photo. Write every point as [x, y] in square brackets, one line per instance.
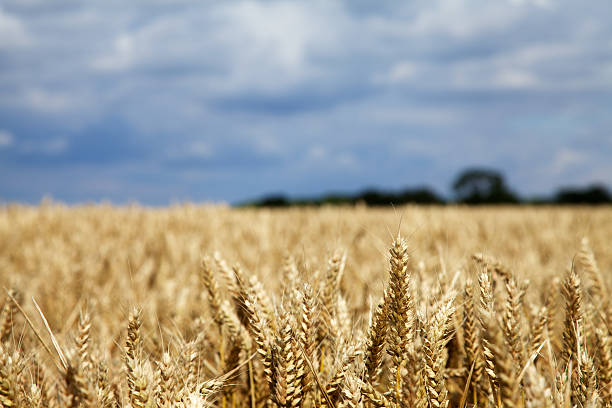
[120, 57]
[601, 174]
[392, 114]
[12, 31]
[44, 100]
[545, 4]
[530, 54]
[265, 142]
[317, 153]
[197, 149]
[514, 78]
[401, 72]
[55, 146]
[51, 147]
[237, 45]
[279, 30]
[201, 149]
[566, 159]
[6, 139]
[347, 160]
[461, 19]
[275, 44]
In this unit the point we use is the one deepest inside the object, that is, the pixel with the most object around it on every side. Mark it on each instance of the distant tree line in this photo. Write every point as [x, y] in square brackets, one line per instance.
[473, 186]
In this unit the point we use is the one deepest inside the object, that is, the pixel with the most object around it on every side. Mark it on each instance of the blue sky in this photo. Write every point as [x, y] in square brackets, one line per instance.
[161, 101]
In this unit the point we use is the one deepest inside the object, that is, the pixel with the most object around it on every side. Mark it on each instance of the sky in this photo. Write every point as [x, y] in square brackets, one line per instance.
[161, 101]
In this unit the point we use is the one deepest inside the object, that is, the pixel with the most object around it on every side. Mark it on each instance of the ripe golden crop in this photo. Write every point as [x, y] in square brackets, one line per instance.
[197, 306]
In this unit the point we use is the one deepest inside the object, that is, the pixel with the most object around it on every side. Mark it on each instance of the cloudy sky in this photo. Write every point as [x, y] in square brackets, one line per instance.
[162, 101]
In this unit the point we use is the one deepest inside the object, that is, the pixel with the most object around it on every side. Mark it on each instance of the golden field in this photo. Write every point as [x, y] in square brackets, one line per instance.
[197, 306]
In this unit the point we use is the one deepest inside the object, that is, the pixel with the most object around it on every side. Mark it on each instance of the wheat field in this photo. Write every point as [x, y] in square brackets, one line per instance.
[210, 306]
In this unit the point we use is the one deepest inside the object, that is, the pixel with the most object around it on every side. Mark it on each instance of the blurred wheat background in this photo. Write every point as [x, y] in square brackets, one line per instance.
[202, 306]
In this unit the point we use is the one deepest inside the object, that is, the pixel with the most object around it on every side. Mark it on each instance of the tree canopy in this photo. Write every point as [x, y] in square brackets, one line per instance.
[473, 186]
[482, 186]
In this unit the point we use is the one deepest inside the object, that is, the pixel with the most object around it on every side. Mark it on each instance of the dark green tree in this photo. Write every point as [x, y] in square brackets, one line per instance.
[593, 194]
[482, 186]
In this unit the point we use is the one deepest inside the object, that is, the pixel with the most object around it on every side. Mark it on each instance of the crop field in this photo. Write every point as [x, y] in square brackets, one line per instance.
[211, 306]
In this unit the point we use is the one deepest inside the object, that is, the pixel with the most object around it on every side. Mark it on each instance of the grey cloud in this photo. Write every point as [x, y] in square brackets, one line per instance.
[100, 144]
[419, 89]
